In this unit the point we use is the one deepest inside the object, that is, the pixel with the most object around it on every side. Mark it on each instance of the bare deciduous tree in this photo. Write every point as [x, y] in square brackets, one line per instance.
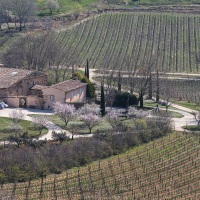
[39, 52]
[22, 9]
[197, 118]
[16, 115]
[145, 76]
[110, 97]
[5, 12]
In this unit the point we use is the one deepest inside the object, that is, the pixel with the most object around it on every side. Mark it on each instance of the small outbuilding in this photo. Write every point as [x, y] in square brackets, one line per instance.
[69, 91]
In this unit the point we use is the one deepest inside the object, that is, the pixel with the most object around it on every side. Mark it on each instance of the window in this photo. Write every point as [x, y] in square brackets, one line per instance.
[72, 94]
[80, 91]
[52, 97]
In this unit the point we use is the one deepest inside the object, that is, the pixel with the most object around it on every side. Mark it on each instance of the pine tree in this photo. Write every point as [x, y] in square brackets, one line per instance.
[102, 105]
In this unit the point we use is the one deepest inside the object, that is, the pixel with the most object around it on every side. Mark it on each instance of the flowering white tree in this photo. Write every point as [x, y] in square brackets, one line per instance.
[133, 112]
[16, 128]
[89, 108]
[113, 117]
[197, 117]
[39, 122]
[16, 115]
[91, 120]
[66, 112]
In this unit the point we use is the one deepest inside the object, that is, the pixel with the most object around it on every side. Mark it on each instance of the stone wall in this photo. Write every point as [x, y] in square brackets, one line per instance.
[22, 88]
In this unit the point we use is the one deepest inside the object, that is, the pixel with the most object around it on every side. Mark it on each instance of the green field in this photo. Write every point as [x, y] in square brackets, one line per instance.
[66, 6]
[5, 131]
[122, 40]
[167, 168]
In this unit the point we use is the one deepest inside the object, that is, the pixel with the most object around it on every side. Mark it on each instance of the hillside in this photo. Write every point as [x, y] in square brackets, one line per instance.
[68, 6]
[120, 40]
[166, 168]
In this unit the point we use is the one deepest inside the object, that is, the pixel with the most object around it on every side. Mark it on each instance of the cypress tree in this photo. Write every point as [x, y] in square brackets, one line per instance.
[85, 71]
[141, 96]
[119, 82]
[127, 103]
[150, 87]
[102, 104]
[88, 71]
[157, 87]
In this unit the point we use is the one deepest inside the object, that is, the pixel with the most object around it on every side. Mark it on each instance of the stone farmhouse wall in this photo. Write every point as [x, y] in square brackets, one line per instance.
[23, 86]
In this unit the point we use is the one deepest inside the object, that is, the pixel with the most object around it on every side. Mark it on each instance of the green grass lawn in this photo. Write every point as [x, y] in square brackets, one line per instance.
[196, 128]
[5, 132]
[78, 126]
[192, 106]
[66, 6]
[171, 113]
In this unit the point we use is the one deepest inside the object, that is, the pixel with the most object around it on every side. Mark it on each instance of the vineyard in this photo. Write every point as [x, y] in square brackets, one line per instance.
[167, 168]
[171, 89]
[122, 40]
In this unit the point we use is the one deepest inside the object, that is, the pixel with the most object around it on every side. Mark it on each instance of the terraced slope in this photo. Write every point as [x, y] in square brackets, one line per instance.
[167, 168]
[122, 40]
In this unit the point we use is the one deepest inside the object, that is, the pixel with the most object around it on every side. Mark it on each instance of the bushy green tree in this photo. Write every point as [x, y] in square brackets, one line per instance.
[90, 90]
[125, 99]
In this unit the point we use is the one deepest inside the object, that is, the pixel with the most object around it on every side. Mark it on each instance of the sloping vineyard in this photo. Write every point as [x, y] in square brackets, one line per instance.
[122, 40]
[167, 168]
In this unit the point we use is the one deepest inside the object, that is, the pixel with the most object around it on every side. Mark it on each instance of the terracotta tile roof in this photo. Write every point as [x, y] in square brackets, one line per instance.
[38, 87]
[10, 76]
[68, 85]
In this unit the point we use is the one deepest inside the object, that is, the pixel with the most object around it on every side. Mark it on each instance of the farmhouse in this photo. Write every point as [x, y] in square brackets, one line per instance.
[26, 88]
[15, 84]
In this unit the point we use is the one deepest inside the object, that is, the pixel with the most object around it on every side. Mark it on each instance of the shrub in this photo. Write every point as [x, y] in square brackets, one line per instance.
[90, 89]
[122, 98]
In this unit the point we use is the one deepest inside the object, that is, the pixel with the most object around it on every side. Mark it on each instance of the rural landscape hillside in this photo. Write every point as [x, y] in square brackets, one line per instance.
[99, 99]
[167, 168]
